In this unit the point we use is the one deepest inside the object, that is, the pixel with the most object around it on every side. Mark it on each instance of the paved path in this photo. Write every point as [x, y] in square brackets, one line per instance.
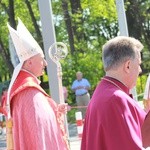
[74, 141]
[2, 142]
[75, 144]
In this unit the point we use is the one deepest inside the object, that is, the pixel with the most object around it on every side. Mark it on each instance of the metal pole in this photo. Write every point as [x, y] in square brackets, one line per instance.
[122, 18]
[54, 66]
[48, 34]
[124, 30]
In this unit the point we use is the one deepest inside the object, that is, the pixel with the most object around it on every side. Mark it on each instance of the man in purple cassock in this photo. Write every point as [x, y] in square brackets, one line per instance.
[113, 119]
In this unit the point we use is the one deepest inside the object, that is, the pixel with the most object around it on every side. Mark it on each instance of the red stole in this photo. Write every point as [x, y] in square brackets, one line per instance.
[23, 81]
[26, 80]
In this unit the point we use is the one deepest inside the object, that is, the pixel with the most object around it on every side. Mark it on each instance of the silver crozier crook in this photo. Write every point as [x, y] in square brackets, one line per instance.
[57, 52]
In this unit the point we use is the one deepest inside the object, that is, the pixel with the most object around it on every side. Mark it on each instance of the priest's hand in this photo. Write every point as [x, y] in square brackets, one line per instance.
[63, 108]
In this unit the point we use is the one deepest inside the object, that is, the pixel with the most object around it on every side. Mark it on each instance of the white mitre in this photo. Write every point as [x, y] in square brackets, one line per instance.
[26, 47]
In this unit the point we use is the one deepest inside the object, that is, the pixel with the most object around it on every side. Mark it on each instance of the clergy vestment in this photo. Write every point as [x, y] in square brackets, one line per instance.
[146, 125]
[113, 119]
[37, 123]
[146, 131]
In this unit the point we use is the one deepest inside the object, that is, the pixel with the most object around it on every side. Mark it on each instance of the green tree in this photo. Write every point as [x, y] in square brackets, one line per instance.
[83, 25]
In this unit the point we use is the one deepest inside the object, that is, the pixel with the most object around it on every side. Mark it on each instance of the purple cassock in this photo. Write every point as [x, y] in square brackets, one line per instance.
[113, 119]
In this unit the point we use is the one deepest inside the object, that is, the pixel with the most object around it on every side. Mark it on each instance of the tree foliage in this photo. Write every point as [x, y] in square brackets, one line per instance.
[84, 25]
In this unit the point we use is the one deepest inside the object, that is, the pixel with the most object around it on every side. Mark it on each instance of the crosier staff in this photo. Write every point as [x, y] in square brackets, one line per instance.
[58, 51]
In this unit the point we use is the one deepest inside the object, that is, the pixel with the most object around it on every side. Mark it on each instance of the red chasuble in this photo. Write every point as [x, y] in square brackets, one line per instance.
[113, 119]
[37, 123]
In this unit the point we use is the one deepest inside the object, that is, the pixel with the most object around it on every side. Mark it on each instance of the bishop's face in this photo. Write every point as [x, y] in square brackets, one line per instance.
[37, 65]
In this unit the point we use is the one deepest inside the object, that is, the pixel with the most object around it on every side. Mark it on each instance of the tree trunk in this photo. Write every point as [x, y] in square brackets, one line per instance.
[68, 23]
[11, 19]
[11, 14]
[78, 23]
[134, 19]
[6, 57]
[38, 32]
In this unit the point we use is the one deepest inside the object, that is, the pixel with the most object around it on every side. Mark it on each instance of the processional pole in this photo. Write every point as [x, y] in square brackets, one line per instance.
[124, 30]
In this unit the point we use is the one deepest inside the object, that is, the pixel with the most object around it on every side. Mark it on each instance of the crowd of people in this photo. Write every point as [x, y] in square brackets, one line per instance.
[113, 119]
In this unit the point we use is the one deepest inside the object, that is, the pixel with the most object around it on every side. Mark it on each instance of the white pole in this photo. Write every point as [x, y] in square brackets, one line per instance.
[49, 38]
[122, 18]
[124, 30]
[79, 122]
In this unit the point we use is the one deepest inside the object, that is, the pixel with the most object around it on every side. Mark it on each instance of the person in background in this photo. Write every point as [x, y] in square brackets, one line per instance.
[146, 97]
[65, 93]
[81, 86]
[3, 102]
[3, 110]
[114, 119]
[37, 119]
